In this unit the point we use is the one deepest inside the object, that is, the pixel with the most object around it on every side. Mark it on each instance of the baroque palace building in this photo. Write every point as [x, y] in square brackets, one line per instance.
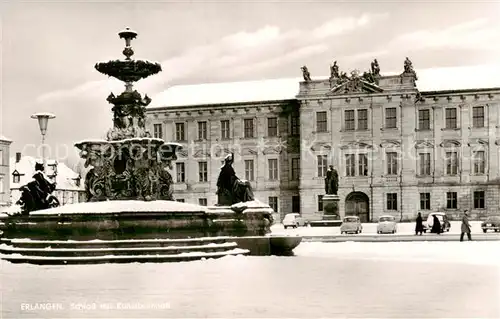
[398, 150]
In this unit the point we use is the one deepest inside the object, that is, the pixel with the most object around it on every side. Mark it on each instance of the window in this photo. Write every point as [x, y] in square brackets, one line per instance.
[478, 116]
[424, 121]
[451, 163]
[295, 169]
[321, 122]
[479, 162]
[225, 130]
[349, 120]
[202, 201]
[451, 200]
[179, 132]
[248, 127]
[425, 164]
[392, 163]
[249, 170]
[390, 117]
[362, 119]
[272, 126]
[181, 172]
[202, 130]
[273, 169]
[203, 171]
[363, 164]
[320, 203]
[1, 184]
[273, 202]
[1, 157]
[350, 165]
[451, 118]
[16, 178]
[157, 131]
[295, 124]
[181, 200]
[425, 201]
[392, 201]
[479, 199]
[322, 165]
[295, 204]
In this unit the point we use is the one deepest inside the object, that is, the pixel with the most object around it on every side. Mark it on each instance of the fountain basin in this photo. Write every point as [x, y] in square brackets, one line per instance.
[130, 219]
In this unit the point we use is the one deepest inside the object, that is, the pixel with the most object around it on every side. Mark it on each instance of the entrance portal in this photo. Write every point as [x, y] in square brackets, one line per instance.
[356, 204]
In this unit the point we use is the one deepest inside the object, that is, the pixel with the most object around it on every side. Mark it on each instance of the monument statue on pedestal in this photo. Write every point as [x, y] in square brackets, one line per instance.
[331, 199]
[331, 181]
[37, 194]
[230, 189]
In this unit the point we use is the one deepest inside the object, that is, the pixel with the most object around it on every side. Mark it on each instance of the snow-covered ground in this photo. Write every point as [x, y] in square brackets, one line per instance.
[368, 229]
[323, 280]
[474, 252]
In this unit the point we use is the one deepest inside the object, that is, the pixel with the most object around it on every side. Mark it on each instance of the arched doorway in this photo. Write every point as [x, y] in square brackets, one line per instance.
[357, 204]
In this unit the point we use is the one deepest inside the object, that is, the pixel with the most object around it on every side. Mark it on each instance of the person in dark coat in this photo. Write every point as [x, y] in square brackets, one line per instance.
[436, 225]
[419, 227]
[465, 228]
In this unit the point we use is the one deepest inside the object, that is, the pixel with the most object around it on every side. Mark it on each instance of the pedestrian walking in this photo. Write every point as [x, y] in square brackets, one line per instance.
[436, 225]
[465, 226]
[419, 227]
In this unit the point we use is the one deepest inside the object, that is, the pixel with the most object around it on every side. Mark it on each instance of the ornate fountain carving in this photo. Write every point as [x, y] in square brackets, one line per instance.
[129, 164]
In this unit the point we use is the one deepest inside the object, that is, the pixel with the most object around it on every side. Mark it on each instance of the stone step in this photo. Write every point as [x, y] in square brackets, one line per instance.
[58, 260]
[116, 251]
[128, 243]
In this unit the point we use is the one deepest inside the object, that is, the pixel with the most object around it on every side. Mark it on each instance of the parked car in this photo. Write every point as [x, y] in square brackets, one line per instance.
[351, 224]
[443, 220]
[387, 225]
[491, 223]
[293, 220]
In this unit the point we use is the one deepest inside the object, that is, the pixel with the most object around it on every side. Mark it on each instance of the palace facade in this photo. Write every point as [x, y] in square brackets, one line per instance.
[398, 150]
[4, 171]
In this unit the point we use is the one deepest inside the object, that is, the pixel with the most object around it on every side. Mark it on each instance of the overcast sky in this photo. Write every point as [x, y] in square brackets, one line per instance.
[49, 49]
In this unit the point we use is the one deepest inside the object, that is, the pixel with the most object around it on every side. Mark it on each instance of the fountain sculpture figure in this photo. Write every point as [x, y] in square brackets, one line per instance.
[129, 164]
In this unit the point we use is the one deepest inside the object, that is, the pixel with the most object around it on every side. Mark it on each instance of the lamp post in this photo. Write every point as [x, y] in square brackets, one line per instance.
[43, 120]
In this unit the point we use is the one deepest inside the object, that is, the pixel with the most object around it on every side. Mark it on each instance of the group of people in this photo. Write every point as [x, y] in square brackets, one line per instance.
[438, 229]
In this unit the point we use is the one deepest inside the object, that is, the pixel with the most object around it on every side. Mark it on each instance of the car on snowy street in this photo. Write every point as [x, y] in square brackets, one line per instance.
[293, 220]
[491, 223]
[387, 225]
[351, 224]
[443, 220]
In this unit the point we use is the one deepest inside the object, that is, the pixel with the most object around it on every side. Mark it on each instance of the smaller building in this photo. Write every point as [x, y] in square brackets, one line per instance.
[69, 184]
[4, 171]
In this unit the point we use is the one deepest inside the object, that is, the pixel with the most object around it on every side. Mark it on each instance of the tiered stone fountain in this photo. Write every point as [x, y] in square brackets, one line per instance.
[131, 214]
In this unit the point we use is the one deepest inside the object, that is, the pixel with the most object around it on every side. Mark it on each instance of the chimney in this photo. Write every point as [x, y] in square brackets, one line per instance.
[18, 157]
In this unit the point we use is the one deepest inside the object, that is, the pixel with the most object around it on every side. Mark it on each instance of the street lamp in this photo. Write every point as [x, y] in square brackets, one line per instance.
[43, 120]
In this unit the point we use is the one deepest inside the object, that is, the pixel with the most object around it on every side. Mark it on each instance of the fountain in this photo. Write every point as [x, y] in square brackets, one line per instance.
[130, 214]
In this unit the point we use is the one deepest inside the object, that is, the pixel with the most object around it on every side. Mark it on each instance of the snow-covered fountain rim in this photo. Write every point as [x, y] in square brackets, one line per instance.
[138, 206]
[121, 206]
[128, 140]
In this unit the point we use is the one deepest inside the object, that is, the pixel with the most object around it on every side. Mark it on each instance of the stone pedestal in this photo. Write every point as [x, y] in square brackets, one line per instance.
[331, 207]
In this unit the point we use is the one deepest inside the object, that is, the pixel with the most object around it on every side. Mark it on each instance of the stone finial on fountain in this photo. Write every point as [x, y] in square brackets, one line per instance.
[128, 35]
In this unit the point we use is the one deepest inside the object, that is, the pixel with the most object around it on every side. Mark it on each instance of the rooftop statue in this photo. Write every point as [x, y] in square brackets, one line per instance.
[37, 194]
[375, 68]
[334, 71]
[408, 68]
[306, 74]
[230, 189]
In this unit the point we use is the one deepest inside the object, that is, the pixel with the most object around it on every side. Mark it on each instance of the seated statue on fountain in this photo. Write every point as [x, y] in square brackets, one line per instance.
[37, 194]
[230, 189]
